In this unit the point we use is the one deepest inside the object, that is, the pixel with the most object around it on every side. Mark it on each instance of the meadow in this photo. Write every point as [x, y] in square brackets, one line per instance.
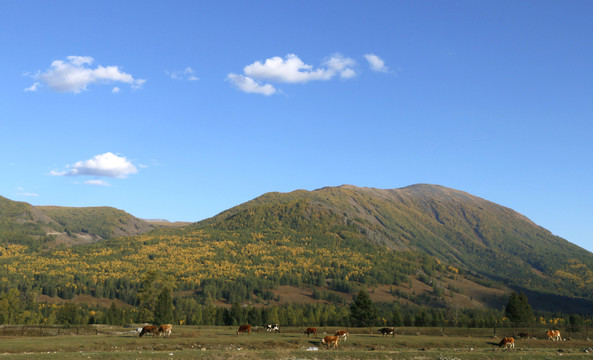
[195, 342]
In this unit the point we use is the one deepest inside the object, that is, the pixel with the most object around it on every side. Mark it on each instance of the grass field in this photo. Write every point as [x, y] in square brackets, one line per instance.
[192, 342]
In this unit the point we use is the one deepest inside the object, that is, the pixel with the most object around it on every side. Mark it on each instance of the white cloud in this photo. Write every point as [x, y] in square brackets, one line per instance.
[376, 63]
[97, 182]
[33, 87]
[21, 192]
[187, 74]
[104, 165]
[292, 70]
[75, 74]
[248, 85]
[115, 90]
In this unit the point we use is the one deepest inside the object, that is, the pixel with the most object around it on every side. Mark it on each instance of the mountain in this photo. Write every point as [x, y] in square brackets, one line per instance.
[456, 228]
[49, 226]
[419, 245]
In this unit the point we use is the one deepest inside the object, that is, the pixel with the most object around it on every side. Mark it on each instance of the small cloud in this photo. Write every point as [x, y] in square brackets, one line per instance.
[33, 87]
[376, 63]
[29, 194]
[21, 192]
[186, 74]
[292, 70]
[104, 165]
[115, 90]
[97, 182]
[76, 74]
[248, 85]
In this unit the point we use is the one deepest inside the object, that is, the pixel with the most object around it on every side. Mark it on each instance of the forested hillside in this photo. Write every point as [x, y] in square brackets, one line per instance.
[49, 226]
[416, 248]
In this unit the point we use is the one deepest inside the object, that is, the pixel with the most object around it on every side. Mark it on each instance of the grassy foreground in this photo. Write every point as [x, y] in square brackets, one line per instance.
[191, 342]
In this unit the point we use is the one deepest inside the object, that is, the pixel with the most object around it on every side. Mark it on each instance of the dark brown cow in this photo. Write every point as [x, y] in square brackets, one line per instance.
[328, 340]
[311, 330]
[524, 335]
[387, 331]
[165, 330]
[507, 342]
[342, 334]
[150, 329]
[243, 329]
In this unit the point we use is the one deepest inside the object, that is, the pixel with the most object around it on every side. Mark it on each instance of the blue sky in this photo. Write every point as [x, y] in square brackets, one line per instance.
[182, 109]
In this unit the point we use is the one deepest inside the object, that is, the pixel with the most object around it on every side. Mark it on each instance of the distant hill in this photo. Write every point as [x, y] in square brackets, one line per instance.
[48, 226]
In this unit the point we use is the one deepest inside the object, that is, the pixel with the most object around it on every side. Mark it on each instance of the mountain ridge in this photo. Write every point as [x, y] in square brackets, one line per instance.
[50, 226]
[339, 238]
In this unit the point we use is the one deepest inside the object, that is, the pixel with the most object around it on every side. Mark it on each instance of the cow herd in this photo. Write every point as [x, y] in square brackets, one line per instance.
[509, 342]
[331, 341]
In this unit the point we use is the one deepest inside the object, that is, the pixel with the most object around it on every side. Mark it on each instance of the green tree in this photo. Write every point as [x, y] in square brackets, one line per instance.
[518, 308]
[362, 310]
[163, 310]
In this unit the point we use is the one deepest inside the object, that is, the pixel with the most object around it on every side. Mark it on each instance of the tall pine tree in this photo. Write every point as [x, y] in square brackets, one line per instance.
[362, 310]
[163, 310]
[518, 309]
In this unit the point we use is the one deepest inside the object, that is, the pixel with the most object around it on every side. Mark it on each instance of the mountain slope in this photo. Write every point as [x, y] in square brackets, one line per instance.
[453, 226]
[421, 245]
[22, 223]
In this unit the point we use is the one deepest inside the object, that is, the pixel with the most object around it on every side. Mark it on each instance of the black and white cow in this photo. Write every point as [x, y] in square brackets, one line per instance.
[273, 327]
[387, 331]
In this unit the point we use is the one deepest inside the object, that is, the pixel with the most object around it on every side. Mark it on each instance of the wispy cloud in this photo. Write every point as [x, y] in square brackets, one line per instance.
[33, 87]
[104, 165]
[186, 74]
[97, 182]
[376, 63]
[248, 85]
[23, 193]
[259, 76]
[76, 74]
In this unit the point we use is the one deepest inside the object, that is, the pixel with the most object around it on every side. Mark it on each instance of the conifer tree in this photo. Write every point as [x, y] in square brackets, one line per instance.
[518, 308]
[163, 310]
[362, 310]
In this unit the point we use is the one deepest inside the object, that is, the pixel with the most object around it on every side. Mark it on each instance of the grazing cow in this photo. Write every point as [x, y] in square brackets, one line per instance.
[273, 327]
[524, 335]
[150, 329]
[311, 330]
[554, 335]
[342, 334]
[243, 329]
[387, 331]
[165, 330]
[507, 342]
[328, 340]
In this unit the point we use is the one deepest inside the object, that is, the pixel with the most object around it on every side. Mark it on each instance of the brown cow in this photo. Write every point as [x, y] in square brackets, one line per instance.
[311, 330]
[243, 329]
[342, 334]
[524, 335]
[507, 342]
[150, 329]
[328, 340]
[554, 335]
[165, 330]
